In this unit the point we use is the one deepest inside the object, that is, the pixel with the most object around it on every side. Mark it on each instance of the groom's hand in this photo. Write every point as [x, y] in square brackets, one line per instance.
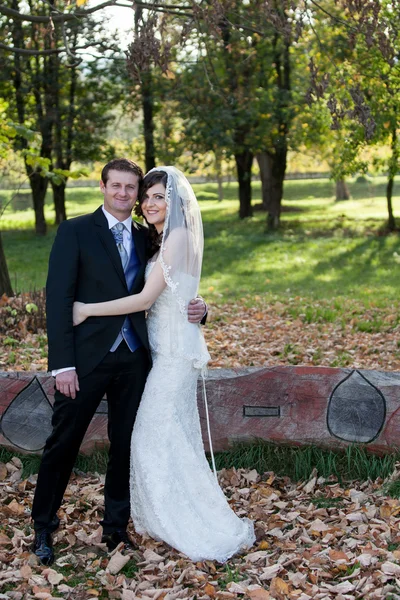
[196, 310]
[67, 383]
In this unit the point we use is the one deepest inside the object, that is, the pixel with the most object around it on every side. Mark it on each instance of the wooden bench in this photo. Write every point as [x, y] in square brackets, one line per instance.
[324, 406]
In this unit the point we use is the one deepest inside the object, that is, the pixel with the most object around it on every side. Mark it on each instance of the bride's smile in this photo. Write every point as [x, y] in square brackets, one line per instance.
[154, 206]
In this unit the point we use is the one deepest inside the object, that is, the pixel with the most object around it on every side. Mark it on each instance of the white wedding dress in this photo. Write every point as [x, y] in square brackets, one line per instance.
[175, 496]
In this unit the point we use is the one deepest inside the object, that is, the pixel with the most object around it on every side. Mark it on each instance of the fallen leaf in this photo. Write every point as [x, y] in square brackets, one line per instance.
[53, 577]
[15, 508]
[209, 590]
[338, 556]
[390, 568]
[4, 540]
[318, 526]
[235, 588]
[128, 595]
[259, 594]
[25, 571]
[270, 572]
[152, 557]
[263, 545]
[3, 472]
[278, 588]
[117, 562]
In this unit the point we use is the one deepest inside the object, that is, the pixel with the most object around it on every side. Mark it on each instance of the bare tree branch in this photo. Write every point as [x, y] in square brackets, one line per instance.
[28, 52]
[55, 18]
[333, 17]
[164, 7]
[76, 60]
[58, 17]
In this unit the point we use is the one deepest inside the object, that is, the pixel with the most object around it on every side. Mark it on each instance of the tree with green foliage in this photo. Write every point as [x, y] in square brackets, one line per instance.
[238, 95]
[216, 94]
[68, 106]
[85, 111]
[8, 132]
[363, 87]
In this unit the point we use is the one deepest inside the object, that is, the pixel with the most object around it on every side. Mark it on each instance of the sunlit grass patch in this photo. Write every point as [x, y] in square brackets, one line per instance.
[324, 250]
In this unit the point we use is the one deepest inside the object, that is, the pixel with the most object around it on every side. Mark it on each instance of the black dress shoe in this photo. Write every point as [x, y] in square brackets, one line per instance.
[115, 538]
[43, 547]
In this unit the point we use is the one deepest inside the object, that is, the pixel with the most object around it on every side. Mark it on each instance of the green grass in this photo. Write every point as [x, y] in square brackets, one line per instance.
[326, 251]
[352, 463]
[9, 587]
[393, 489]
[350, 570]
[326, 502]
[392, 547]
[228, 575]
[95, 462]
[130, 569]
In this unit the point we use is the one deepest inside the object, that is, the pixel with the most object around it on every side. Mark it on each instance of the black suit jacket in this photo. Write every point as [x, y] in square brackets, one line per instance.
[85, 265]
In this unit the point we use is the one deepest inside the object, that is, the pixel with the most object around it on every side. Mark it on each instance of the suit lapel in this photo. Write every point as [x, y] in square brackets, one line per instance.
[107, 239]
[139, 239]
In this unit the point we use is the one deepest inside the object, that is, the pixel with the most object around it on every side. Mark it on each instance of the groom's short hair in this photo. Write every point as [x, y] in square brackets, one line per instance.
[121, 164]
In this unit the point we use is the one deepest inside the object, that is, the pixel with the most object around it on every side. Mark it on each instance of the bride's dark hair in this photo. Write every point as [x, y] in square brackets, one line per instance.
[149, 180]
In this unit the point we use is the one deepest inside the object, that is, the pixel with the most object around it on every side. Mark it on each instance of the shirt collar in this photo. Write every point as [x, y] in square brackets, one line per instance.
[113, 221]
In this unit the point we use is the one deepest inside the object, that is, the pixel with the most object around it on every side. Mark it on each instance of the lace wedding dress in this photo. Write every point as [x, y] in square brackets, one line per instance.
[175, 496]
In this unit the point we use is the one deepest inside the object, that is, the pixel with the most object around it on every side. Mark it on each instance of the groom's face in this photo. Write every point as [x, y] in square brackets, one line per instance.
[120, 193]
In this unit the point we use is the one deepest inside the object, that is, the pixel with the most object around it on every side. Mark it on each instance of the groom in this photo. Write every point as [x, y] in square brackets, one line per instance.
[95, 258]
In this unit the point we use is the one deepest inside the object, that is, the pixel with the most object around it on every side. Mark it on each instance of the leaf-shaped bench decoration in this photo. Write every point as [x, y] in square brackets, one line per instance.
[356, 410]
[26, 422]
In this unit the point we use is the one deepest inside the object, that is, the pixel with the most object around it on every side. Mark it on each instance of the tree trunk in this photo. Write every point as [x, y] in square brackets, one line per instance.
[265, 164]
[393, 168]
[272, 170]
[244, 162]
[59, 201]
[389, 194]
[342, 191]
[148, 121]
[218, 168]
[39, 187]
[277, 160]
[220, 187]
[5, 282]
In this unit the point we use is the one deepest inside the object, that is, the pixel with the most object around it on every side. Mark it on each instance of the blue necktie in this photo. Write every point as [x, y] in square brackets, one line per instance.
[130, 266]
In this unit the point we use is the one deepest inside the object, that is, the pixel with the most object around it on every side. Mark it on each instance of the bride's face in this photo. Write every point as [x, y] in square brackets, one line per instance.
[154, 206]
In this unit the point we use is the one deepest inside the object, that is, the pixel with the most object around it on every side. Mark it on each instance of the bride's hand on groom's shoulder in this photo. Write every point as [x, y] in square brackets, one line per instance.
[78, 313]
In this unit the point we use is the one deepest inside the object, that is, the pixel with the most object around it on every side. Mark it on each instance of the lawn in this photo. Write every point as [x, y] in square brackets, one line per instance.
[325, 250]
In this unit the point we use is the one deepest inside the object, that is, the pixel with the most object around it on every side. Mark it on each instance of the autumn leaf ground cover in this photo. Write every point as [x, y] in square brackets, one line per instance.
[318, 538]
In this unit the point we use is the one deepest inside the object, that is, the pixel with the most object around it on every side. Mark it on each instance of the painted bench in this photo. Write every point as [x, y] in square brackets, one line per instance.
[329, 407]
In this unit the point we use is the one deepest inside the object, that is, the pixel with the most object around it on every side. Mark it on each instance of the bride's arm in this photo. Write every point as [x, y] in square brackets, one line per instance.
[155, 284]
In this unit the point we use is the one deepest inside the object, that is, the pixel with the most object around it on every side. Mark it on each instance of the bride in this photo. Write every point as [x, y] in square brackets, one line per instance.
[175, 497]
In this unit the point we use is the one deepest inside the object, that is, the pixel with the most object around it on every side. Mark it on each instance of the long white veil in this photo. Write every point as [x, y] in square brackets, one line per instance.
[181, 251]
[181, 256]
